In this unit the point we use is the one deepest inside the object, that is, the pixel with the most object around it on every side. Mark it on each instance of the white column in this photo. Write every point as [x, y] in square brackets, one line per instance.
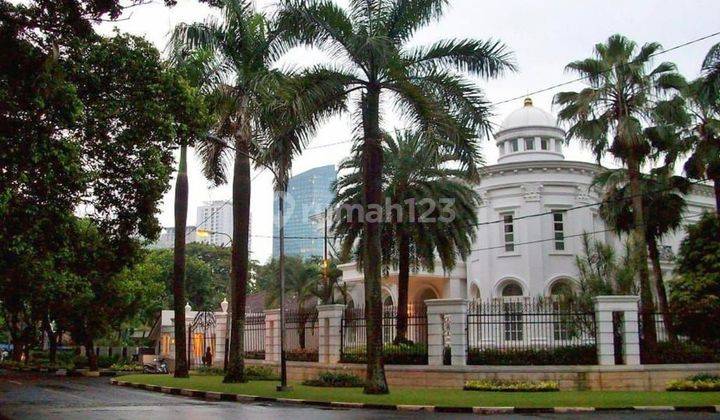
[605, 341]
[456, 311]
[329, 320]
[272, 335]
[221, 319]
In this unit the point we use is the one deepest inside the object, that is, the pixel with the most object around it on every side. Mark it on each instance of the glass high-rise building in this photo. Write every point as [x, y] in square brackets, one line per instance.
[308, 194]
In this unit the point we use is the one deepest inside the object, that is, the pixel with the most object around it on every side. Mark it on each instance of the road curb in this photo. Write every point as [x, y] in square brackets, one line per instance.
[244, 398]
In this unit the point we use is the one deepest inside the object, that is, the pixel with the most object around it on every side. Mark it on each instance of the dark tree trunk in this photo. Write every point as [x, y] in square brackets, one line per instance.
[403, 285]
[239, 272]
[660, 287]
[181, 206]
[649, 337]
[52, 340]
[372, 193]
[281, 283]
[91, 355]
[716, 181]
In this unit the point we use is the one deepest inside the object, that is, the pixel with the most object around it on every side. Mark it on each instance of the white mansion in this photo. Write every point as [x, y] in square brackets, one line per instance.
[535, 207]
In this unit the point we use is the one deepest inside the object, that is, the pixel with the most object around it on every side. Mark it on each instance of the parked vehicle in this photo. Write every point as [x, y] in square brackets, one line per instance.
[159, 366]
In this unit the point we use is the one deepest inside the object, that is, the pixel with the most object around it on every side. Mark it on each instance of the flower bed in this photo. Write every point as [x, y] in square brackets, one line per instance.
[702, 383]
[681, 352]
[511, 386]
[302, 355]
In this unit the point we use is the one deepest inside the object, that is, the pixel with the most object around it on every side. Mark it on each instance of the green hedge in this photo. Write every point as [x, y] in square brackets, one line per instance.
[260, 373]
[335, 380]
[302, 355]
[681, 352]
[569, 355]
[256, 355]
[511, 386]
[393, 354]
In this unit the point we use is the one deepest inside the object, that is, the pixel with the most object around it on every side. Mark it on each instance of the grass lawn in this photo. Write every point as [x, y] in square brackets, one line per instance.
[440, 397]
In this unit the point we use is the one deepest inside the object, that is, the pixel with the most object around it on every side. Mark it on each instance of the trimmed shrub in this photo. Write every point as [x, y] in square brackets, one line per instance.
[255, 355]
[335, 380]
[208, 371]
[511, 386]
[681, 352]
[568, 355]
[393, 354]
[301, 355]
[105, 362]
[260, 373]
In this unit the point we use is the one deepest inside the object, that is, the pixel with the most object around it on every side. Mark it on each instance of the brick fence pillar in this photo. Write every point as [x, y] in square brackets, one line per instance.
[329, 319]
[272, 335]
[454, 313]
[605, 340]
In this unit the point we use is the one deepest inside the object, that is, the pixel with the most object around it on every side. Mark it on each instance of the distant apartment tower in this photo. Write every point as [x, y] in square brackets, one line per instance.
[215, 216]
[309, 193]
[166, 240]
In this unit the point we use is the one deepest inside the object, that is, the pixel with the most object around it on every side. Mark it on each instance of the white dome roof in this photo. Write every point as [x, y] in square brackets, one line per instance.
[528, 116]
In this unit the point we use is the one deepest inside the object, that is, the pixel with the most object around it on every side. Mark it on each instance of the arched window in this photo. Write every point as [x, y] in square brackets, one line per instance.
[512, 289]
[474, 292]
[512, 308]
[562, 328]
[560, 288]
[387, 300]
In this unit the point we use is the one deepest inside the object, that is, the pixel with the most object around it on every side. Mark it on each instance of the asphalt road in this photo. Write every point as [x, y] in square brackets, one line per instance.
[38, 396]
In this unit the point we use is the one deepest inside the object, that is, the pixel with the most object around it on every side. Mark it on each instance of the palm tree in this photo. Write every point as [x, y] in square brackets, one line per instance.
[244, 81]
[609, 115]
[711, 72]
[371, 63]
[193, 123]
[702, 138]
[662, 197]
[417, 167]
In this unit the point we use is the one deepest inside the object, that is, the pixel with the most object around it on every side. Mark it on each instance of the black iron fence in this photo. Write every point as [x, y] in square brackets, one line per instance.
[255, 335]
[301, 335]
[529, 331]
[410, 350]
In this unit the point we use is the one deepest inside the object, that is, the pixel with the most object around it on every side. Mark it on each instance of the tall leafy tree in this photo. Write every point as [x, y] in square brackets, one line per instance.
[610, 114]
[423, 177]
[372, 63]
[711, 72]
[663, 198]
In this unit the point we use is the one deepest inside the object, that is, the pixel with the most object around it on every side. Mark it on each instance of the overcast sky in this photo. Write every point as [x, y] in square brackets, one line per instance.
[544, 36]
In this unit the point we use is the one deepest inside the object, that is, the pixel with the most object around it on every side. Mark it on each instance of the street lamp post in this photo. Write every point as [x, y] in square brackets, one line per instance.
[203, 233]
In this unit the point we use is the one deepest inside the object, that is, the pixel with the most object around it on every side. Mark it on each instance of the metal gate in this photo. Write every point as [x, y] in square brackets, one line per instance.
[201, 339]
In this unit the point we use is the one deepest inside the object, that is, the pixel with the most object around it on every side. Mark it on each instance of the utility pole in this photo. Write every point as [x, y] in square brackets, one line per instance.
[325, 257]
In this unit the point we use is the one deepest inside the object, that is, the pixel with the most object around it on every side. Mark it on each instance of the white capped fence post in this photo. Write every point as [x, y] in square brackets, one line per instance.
[605, 340]
[455, 311]
[329, 320]
[272, 335]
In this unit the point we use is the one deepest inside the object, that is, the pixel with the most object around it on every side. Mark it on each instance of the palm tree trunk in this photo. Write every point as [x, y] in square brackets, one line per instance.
[660, 287]
[281, 282]
[181, 206]
[372, 193]
[649, 337]
[403, 285]
[240, 250]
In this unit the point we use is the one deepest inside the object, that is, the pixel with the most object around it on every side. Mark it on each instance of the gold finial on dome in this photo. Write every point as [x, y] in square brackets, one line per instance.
[528, 102]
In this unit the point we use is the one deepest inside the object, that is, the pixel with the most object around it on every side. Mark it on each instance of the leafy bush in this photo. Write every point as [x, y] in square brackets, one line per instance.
[260, 373]
[302, 355]
[681, 352]
[703, 382]
[80, 362]
[335, 380]
[511, 386]
[568, 355]
[105, 362]
[209, 371]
